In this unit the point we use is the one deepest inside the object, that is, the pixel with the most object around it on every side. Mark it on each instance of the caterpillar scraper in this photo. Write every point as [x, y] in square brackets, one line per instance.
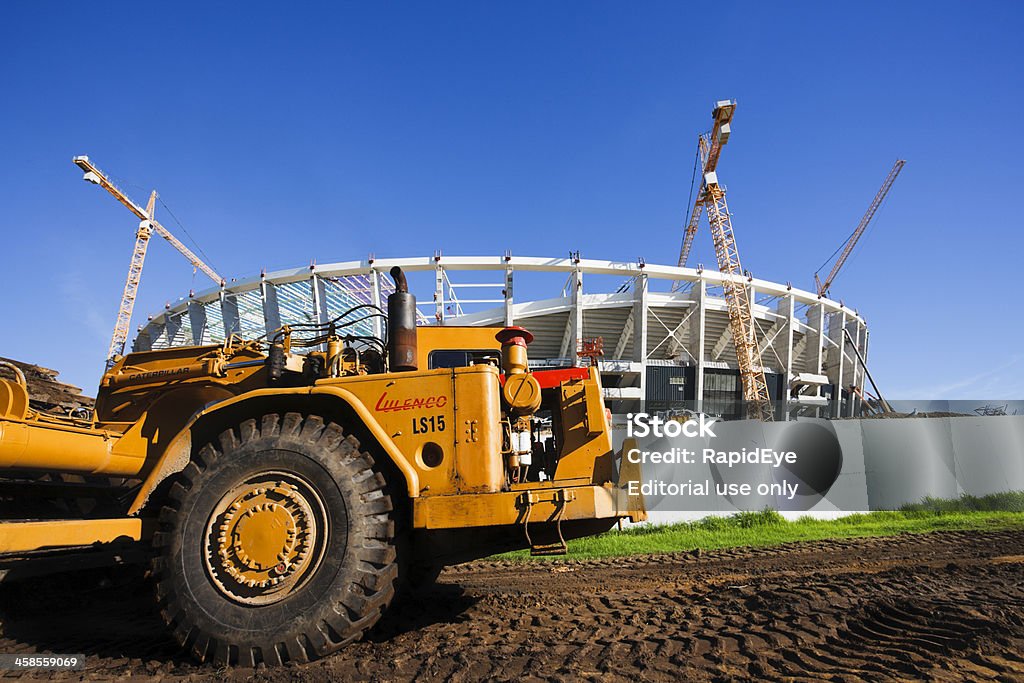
[285, 489]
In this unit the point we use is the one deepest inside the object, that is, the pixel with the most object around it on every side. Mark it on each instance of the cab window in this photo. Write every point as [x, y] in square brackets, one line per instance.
[461, 358]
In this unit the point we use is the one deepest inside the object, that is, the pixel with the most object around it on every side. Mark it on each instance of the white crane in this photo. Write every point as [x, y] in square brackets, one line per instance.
[147, 226]
[823, 287]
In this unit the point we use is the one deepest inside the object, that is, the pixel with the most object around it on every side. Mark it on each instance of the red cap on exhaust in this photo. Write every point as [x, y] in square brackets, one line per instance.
[517, 336]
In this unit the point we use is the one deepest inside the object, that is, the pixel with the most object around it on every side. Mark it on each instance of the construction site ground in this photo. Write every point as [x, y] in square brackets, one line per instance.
[941, 606]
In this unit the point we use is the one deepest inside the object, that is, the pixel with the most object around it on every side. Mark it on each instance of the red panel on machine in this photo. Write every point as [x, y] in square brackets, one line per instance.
[552, 378]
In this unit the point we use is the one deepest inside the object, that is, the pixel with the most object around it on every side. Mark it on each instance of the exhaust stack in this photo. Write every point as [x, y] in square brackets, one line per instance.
[401, 326]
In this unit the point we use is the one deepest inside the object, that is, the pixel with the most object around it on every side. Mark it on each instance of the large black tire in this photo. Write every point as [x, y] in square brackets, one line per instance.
[339, 530]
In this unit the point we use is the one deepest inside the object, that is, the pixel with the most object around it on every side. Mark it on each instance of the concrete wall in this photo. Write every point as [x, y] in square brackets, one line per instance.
[885, 463]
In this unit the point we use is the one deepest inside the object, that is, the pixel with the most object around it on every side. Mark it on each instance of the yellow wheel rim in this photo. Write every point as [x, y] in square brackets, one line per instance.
[265, 537]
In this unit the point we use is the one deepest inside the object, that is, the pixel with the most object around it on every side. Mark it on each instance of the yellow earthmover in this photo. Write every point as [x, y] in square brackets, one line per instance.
[286, 489]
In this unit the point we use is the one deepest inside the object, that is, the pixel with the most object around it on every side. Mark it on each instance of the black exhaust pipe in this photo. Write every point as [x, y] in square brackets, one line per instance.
[401, 326]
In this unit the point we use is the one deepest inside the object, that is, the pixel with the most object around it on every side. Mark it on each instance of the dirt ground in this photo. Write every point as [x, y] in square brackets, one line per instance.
[941, 606]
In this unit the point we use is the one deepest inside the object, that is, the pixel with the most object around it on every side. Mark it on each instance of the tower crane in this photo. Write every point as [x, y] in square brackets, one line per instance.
[706, 144]
[741, 323]
[823, 287]
[147, 226]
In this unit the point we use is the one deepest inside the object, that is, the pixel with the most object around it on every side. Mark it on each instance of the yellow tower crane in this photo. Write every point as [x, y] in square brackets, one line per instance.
[741, 323]
[823, 287]
[147, 226]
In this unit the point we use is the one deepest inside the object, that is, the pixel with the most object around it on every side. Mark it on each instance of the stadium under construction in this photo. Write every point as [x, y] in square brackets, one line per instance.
[664, 330]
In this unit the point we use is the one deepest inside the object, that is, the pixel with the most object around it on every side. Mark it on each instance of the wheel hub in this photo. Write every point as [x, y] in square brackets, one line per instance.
[262, 538]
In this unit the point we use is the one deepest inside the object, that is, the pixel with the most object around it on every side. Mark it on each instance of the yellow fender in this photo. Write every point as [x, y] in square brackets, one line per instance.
[179, 450]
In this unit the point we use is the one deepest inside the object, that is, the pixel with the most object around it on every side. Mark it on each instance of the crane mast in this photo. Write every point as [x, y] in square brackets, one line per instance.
[131, 284]
[823, 287]
[147, 226]
[741, 322]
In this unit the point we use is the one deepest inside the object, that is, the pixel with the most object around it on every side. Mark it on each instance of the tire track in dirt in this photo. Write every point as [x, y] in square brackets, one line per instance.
[945, 606]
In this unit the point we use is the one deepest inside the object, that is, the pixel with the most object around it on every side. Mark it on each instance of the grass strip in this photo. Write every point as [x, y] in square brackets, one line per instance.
[768, 527]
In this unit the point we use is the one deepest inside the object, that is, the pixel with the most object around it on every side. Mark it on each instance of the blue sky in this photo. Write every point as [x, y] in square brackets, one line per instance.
[282, 133]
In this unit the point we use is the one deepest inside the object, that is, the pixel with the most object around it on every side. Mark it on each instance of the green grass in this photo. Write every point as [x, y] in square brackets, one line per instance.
[998, 511]
[1011, 501]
